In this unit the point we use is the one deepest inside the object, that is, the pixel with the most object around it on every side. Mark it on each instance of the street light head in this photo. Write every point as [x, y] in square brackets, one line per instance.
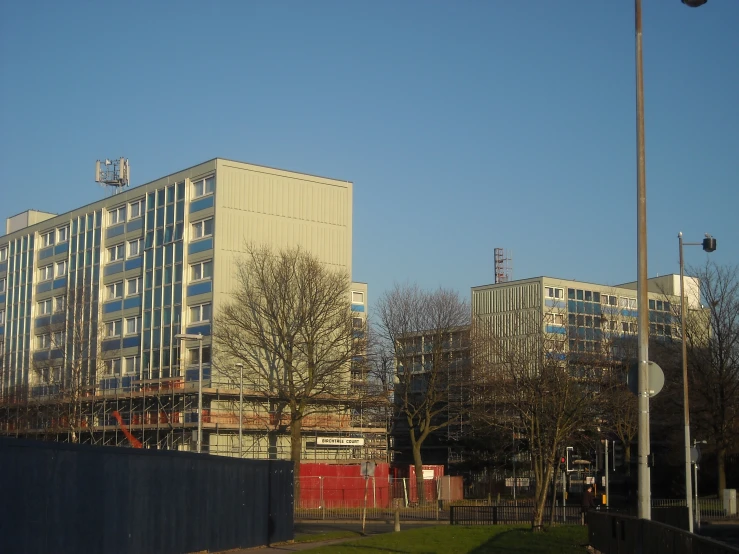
[709, 243]
[694, 3]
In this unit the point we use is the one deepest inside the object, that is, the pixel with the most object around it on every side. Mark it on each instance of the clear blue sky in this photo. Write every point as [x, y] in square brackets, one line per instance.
[464, 126]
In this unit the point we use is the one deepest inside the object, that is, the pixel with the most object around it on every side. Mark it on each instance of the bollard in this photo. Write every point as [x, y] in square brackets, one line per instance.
[397, 520]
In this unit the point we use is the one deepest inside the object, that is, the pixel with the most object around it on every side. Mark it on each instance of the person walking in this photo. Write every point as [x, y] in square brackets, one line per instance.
[588, 501]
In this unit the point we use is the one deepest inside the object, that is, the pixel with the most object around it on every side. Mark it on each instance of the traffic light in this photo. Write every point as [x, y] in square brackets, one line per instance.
[570, 455]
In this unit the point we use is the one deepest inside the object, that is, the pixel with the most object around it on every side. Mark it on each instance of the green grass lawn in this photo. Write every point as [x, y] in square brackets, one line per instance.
[452, 539]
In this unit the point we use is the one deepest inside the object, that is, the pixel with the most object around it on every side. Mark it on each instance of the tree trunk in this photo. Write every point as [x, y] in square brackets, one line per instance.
[541, 498]
[418, 466]
[296, 443]
[721, 470]
[627, 457]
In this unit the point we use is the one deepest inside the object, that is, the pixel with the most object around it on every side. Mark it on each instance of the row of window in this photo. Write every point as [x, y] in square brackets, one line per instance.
[45, 341]
[130, 364]
[135, 209]
[50, 271]
[199, 271]
[55, 236]
[3, 253]
[115, 328]
[594, 296]
[56, 304]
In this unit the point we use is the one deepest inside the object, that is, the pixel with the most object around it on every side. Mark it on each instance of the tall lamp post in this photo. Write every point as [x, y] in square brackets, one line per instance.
[709, 245]
[199, 338]
[241, 408]
[644, 510]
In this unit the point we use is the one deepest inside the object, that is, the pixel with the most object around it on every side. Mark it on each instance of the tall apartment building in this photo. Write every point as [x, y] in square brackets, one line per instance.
[91, 302]
[577, 317]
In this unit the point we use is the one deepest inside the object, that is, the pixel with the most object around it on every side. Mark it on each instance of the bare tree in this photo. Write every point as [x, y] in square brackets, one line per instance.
[427, 332]
[530, 383]
[289, 323]
[712, 338]
[68, 359]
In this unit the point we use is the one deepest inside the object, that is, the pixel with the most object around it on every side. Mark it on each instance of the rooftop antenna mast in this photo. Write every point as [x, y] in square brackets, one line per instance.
[503, 265]
[115, 174]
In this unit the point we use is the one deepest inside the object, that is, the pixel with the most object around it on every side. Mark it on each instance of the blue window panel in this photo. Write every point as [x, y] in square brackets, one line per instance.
[200, 288]
[113, 268]
[109, 345]
[63, 247]
[135, 225]
[556, 329]
[357, 308]
[192, 374]
[40, 356]
[199, 329]
[2, 297]
[553, 303]
[201, 204]
[110, 307]
[46, 253]
[57, 318]
[133, 302]
[4, 267]
[131, 342]
[59, 283]
[42, 321]
[200, 246]
[115, 231]
[135, 263]
[2, 330]
[57, 354]
[571, 306]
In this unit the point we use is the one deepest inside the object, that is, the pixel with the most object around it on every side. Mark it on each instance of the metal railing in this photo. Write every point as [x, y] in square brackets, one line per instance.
[512, 513]
[611, 533]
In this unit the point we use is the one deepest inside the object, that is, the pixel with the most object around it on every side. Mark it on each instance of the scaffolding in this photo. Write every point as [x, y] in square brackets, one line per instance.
[162, 414]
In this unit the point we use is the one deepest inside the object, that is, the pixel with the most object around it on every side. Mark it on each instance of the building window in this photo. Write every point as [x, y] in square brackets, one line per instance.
[114, 290]
[2, 285]
[116, 252]
[200, 313]
[113, 328]
[59, 303]
[47, 239]
[608, 300]
[201, 271]
[133, 286]
[3, 253]
[357, 297]
[135, 247]
[117, 215]
[113, 367]
[132, 325]
[136, 209]
[203, 187]
[357, 322]
[57, 339]
[554, 292]
[202, 229]
[62, 234]
[555, 319]
[131, 364]
[2, 317]
[61, 268]
[193, 355]
[47, 272]
[43, 342]
[45, 307]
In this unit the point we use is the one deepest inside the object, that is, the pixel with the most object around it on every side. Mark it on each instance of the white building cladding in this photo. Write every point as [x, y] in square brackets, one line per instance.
[155, 261]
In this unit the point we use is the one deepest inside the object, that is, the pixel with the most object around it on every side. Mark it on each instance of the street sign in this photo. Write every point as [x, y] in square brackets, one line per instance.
[368, 469]
[695, 454]
[520, 482]
[656, 379]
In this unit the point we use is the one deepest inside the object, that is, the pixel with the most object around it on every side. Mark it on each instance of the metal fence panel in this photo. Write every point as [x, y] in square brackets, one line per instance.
[78, 498]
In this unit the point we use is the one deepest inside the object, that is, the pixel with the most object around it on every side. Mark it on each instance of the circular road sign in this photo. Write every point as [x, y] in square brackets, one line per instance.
[656, 379]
